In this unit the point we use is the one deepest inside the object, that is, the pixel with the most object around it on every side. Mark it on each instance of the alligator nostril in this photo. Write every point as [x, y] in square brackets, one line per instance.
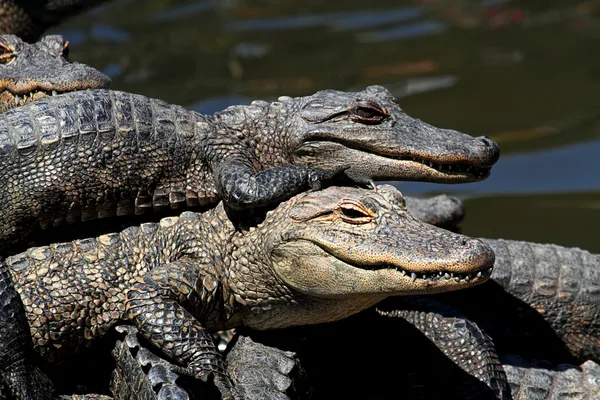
[487, 141]
[492, 148]
[463, 242]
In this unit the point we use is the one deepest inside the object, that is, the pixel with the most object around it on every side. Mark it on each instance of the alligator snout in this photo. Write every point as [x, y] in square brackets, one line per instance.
[490, 151]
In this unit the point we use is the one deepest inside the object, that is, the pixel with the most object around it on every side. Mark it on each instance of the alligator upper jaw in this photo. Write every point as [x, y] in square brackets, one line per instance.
[371, 163]
[314, 271]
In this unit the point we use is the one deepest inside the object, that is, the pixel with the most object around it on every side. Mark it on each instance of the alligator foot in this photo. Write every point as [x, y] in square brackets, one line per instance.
[140, 373]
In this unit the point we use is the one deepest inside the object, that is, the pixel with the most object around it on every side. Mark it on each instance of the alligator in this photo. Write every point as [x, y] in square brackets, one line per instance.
[99, 153]
[30, 72]
[29, 19]
[321, 256]
[541, 303]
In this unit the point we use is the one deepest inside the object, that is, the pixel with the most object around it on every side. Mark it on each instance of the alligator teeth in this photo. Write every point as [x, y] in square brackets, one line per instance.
[54, 93]
[17, 98]
[448, 276]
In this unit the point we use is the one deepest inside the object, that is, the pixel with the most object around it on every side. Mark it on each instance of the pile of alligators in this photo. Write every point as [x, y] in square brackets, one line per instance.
[157, 229]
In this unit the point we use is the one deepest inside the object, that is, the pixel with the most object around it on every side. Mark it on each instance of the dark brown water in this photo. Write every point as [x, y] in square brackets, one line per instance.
[526, 73]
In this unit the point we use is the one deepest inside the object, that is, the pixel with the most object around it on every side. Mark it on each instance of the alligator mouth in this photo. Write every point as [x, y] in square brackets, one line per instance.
[22, 98]
[448, 169]
[425, 278]
[438, 276]
[426, 168]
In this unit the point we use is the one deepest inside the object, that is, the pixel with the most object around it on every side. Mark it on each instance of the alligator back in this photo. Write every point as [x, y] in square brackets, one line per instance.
[94, 154]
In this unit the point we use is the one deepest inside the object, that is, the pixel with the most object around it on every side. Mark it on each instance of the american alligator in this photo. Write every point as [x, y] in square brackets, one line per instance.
[185, 277]
[30, 72]
[541, 303]
[29, 19]
[101, 153]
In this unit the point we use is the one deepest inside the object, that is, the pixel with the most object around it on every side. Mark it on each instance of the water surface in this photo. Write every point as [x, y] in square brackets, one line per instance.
[526, 73]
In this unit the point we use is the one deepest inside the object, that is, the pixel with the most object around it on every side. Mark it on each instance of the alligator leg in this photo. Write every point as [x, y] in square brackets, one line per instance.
[461, 340]
[240, 187]
[23, 379]
[542, 303]
[141, 374]
[154, 308]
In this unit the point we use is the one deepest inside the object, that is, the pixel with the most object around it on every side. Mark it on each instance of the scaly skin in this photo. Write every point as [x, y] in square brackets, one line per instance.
[18, 374]
[547, 382]
[101, 153]
[141, 374]
[29, 19]
[318, 257]
[442, 210]
[542, 303]
[30, 72]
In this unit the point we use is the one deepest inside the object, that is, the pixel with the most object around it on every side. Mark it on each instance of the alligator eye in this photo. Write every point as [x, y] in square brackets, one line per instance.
[6, 54]
[354, 213]
[66, 51]
[367, 112]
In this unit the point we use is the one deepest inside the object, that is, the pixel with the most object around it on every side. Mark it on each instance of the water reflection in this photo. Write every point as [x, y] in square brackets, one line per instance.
[525, 73]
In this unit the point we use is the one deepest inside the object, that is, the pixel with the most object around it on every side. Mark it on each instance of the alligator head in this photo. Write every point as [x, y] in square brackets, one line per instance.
[32, 71]
[335, 252]
[366, 131]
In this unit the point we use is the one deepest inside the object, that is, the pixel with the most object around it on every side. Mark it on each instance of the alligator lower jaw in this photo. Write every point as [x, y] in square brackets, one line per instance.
[9, 99]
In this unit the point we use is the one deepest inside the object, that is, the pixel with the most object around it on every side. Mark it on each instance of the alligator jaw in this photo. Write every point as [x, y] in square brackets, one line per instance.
[42, 69]
[428, 167]
[397, 162]
[10, 99]
[315, 271]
